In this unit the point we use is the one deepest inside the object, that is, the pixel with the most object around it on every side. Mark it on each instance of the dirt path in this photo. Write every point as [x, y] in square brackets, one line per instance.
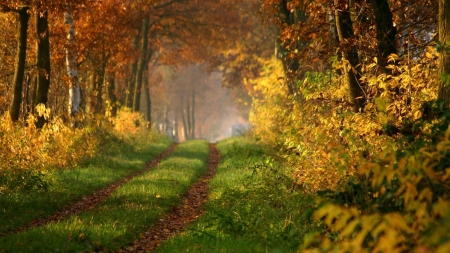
[183, 214]
[91, 201]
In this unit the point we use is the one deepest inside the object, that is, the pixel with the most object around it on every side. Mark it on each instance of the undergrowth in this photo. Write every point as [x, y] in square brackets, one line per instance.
[29, 156]
[43, 184]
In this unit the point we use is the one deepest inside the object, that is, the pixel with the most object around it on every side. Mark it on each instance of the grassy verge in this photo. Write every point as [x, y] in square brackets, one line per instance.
[124, 215]
[251, 207]
[117, 160]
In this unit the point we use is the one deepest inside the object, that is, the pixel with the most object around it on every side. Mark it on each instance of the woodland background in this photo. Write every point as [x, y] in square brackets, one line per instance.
[353, 93]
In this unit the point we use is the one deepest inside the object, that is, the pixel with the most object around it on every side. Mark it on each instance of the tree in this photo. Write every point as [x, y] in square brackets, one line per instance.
[42, 62]
[444, 58]
[20, 61]
[72, 66]
[386, 31]
[141, 64]
[349, 55]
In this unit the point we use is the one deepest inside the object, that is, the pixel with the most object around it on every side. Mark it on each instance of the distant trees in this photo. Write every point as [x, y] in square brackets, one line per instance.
[106, 66]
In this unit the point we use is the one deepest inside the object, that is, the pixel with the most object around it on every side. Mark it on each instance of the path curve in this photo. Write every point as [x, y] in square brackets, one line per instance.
[180, 216]
[91, 201]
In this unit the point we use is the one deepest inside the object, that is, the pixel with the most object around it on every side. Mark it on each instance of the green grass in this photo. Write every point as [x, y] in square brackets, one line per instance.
[116, 161]
[251, 207]
[124, 215]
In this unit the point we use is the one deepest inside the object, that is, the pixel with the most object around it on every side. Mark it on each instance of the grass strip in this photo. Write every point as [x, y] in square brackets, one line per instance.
[20, 209]
[183, 214]
[250, 207]
[129, 211]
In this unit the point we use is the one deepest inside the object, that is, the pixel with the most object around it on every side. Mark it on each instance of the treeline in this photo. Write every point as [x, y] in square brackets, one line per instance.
[93, 56]
[356, 100]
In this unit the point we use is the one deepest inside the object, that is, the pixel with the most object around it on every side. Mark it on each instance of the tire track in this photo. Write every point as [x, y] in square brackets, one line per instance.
[91, 201]
[180, 216]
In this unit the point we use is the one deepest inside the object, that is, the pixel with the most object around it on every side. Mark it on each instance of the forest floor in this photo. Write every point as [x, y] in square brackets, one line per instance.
[193, 197]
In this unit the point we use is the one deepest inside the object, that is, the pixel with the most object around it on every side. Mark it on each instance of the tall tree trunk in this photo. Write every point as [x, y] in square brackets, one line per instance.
[188, 119]
[183, 118]
[28, 101]
[386, 31]
[351, 72]
[148, 102]
[20, 62]
[291, 66]
[90, 94]
[111, 94]
[99, 87]
[130, 79]
[33, 94]
[141, 65]
[72, 68]
[193, 115]
[176, 136]
[42, 62]
[444, 58]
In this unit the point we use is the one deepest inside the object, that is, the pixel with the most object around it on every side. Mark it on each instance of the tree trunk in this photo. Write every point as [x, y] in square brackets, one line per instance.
[42, 62]
[20, 62]
[99, 86]
[183, 118]
[386, 31]
[130, 79]
[111, 95]
[148, 102]
[188, 119]
[444, 58]
[193, 115]
[90, 94]
[141, 65]
[344, 29]
[72, 68]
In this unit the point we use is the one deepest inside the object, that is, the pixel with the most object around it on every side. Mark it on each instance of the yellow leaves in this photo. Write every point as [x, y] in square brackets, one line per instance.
[441, 208]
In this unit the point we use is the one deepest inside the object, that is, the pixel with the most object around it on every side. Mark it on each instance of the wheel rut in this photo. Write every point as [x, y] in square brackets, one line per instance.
[93, 200]
[180, 216]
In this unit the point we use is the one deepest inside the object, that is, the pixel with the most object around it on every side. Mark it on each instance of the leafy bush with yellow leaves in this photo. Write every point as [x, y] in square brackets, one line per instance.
[400, 202]
[381, 175]
[28, 155]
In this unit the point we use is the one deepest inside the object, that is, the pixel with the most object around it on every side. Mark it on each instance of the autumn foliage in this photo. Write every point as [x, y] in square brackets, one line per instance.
[379, 171]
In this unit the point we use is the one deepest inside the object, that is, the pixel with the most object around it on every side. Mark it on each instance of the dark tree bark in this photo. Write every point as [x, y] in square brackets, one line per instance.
[291, 65]
[141, 64]
[386, 31]
[20, 62]
[444, 58]
[42, 62]
[352, 73]
[99, 86]
[110, 93]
